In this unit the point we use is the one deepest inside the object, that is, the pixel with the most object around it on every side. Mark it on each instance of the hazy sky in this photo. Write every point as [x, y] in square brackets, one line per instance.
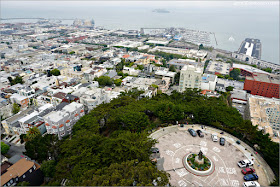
[157, 3]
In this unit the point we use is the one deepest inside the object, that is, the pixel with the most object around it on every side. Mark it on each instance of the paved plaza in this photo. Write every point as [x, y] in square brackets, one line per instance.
[175, 142]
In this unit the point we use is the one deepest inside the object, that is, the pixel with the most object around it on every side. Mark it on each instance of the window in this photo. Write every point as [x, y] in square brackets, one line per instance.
[23, 176]
[11, 181]
[30, 170]
[34, 167]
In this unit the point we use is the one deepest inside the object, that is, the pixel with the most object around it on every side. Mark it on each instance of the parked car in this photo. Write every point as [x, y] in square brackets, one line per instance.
[222, 141]
[154, 150]
[214, 138]
[200, 133]
[245, 163]
[238, 142]
[192, 132]
[251, 177]
[251, 184]
[246, 171]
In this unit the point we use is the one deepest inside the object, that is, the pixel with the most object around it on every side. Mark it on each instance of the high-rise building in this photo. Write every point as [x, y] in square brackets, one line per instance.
[263, 85]
[190, 77]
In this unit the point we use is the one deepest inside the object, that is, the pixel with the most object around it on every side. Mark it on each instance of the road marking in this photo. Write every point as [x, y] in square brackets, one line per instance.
[216, 149]
[203, 143]
[215, 158]
[177, 145]
[182, 172]
[170, 153]
[231, 171]
[221, 170]
[177, 160]
[182, 183]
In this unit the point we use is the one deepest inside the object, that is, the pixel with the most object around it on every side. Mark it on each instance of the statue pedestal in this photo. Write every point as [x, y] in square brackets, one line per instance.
[199, 161]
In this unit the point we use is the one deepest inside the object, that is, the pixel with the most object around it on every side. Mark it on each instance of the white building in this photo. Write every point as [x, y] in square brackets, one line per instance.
[208, 82]
[190, 77]
[61, 122]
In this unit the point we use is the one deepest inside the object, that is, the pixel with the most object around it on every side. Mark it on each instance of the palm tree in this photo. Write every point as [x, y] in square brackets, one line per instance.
[32, 133]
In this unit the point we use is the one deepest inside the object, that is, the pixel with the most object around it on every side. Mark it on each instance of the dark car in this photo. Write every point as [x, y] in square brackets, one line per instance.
[238, 142]
[222, 141]
[246, 171]
[251, 177]
[192, 132]
[200, 133]
[154, 150]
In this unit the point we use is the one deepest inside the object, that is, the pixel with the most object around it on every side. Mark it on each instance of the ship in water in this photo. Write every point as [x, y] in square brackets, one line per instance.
[251, 47]
[161, 11]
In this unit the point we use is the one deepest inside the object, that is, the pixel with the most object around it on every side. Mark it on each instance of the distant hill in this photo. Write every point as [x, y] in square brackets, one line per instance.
[161, 11]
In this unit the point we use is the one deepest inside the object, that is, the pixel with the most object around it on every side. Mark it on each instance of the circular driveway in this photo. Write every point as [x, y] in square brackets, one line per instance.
[175, 142]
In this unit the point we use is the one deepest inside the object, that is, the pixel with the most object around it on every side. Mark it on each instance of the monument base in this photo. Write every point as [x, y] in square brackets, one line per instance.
[199, 161]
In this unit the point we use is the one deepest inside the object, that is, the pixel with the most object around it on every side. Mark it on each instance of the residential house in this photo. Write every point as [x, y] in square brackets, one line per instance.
[23, 170]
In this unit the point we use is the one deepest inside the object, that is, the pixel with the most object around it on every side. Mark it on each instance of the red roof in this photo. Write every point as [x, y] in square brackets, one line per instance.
[76, 115]
[125, 56]
[82, 111]
[54, 127]
[61, 125]
[68, 121]
[47, 124]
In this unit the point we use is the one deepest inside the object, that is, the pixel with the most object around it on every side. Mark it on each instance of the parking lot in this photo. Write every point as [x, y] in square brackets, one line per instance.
[175, 142]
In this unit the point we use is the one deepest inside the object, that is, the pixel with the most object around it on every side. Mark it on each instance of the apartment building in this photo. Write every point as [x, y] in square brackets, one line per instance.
[190, 77]
[62, 120]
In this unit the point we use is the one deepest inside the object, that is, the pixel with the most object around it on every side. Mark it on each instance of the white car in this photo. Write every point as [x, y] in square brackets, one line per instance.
[251, 184]
[214, 138]
[245, 163]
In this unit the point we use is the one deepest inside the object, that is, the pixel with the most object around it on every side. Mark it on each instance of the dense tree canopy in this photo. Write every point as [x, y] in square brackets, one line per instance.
[235, 73]
[104, 81]
[55, 72]
[16, 108]
[16, 80]
[4, 148]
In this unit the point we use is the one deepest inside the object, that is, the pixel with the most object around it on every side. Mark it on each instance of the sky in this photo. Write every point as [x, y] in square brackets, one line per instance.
[128, 3]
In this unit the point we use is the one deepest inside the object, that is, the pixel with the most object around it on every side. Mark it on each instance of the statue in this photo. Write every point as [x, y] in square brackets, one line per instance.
[200, 155]
[199, 159]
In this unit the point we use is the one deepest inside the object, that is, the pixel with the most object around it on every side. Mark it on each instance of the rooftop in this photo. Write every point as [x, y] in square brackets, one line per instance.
[16, 170]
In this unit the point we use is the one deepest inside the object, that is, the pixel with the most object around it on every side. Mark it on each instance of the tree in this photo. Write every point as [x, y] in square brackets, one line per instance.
[23, 183]
[172, 68]
[118, 82]
[72, 52]
[55, 72]
[41, 148]
[235, 73]
[177, 78]
[48, 168]
[16, 108]
[200, 46]
[17, 80]
[140, 67]
[126, 173]
[229, 88]
[154, 85]
[32, 133]
[4, 148]
[269, 70]
[104, 81]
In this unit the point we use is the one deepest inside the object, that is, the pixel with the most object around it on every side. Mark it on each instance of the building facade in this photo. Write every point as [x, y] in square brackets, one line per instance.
[61, 122]
[190, 77]
[263, 85]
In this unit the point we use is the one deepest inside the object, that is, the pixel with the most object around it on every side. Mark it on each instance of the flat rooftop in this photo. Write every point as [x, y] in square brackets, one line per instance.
[274, 79]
